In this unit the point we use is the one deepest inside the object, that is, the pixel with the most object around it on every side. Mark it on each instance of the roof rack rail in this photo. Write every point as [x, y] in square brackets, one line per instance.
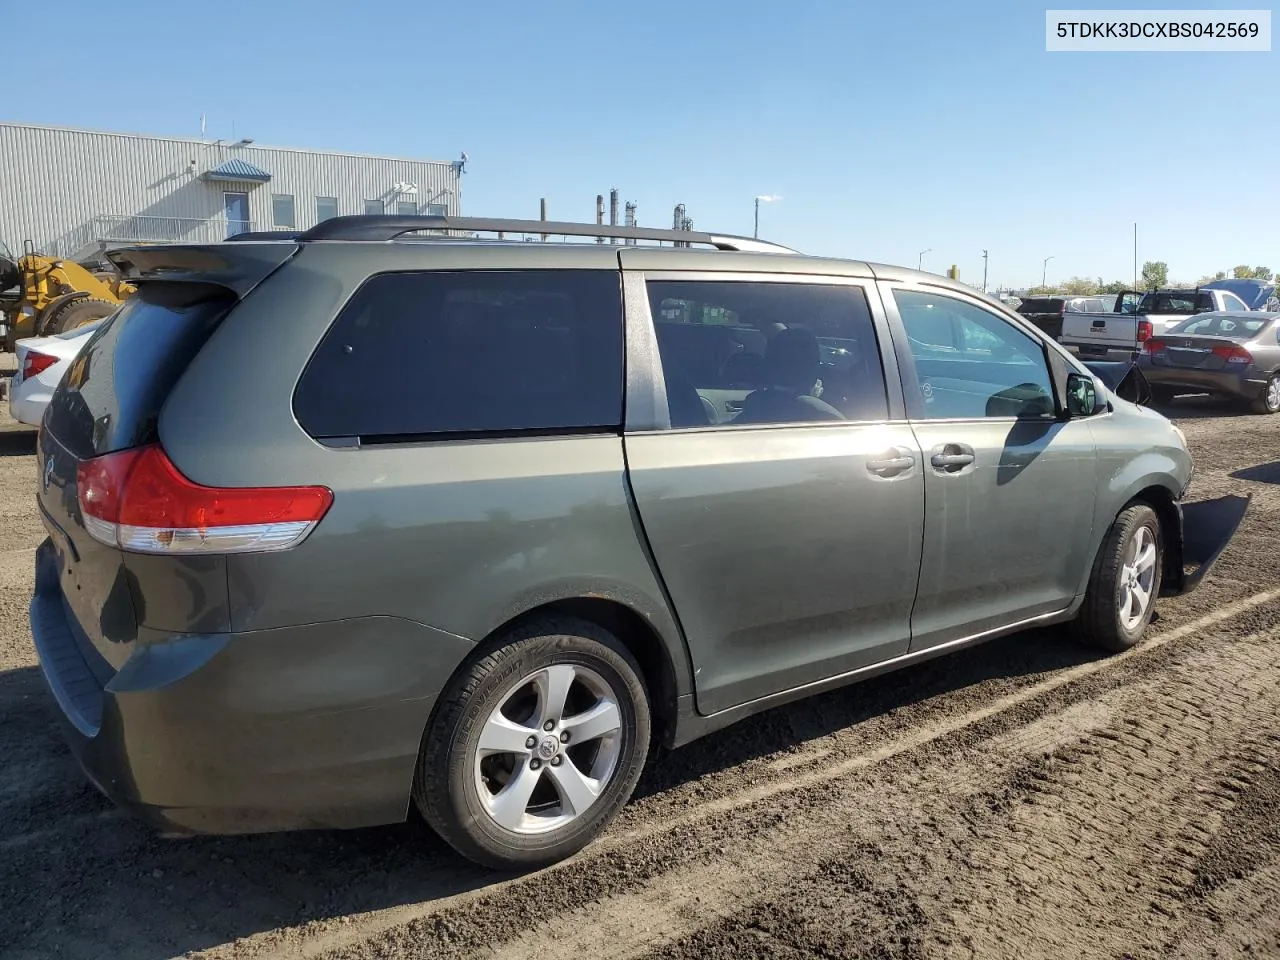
[265, 235]
[386, 227]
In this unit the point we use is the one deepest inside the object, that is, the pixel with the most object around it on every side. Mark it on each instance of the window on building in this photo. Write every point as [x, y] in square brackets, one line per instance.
[747, 353]
[437, 210]
[326, 208]
[374, 208]
[469, 352]
[282, 210]
[406, 208]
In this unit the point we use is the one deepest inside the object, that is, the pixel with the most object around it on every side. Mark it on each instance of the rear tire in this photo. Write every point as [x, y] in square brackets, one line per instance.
[77, 313]
[1129, 566]
[1269, 400]
[574, 692]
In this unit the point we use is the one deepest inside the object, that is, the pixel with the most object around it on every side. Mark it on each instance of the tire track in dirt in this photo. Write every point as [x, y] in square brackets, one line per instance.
[697, 849]
[1121, 803]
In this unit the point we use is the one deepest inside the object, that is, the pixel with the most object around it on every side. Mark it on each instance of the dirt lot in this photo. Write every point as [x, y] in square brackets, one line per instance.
[1022, 799]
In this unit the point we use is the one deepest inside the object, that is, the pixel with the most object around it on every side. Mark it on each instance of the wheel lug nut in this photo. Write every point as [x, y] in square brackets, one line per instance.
[564, 737]
[531, 742]
[535, 763]
[549, 725]
[555, 761]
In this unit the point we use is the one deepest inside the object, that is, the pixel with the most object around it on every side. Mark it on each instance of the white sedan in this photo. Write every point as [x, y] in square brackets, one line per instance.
[42, 363]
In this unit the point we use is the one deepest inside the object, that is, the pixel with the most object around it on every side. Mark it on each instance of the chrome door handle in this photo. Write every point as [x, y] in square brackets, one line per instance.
[951, 461]
[900, 461]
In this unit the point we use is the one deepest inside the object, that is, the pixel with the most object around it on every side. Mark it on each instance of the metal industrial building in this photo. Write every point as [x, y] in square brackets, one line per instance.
[70, 191]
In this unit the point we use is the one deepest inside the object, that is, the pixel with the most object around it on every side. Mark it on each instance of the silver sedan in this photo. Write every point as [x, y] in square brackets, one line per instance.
[1233, 353]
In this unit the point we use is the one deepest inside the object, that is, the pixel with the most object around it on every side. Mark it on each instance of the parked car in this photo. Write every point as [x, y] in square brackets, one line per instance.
[1047, 312]
[1229, 354]
[1255, 294]
[41, 364]
[483, 522]
[1135, 317]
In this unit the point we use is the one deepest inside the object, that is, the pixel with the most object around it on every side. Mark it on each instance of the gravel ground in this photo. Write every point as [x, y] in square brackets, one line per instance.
[1021, 799]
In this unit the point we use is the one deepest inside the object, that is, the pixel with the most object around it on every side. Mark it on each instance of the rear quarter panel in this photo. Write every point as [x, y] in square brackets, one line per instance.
[455, 536]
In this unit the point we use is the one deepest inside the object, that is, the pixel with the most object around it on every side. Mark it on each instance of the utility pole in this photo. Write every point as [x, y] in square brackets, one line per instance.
[984, 271]
[1135, 255]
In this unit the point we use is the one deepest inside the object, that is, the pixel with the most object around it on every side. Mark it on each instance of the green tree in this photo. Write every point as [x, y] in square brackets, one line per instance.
[1115, 286]
[1079, 287]
[1242, 272]
[1155, 274]
[1262, 273]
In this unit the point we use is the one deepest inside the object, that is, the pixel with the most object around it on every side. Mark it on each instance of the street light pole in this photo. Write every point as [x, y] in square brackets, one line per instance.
[984, 271]
[1044, 274]
[920, 258]
[756, 234]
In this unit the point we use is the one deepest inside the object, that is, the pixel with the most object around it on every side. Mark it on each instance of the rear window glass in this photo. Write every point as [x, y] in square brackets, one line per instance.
[111, 397]
[469, 352]
[1217, 325]
[1175, 302]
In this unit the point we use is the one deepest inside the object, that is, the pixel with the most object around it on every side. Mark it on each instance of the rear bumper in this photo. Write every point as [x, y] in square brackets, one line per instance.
[1246, 385]
[309, 727]
[1204, 530]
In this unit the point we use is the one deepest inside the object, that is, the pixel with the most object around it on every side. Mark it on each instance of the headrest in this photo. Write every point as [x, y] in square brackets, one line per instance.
[792, 360]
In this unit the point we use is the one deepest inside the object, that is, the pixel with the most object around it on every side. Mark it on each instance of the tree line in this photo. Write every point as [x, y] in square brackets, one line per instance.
[1155, 275]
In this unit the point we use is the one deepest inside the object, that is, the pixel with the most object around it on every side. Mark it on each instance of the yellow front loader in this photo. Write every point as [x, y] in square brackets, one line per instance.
[41, 295]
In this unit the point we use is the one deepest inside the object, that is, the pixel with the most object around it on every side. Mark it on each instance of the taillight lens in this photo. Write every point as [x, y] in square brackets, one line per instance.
[36, 363]
[137, 500]
[1145, 330]
[1153, 346]
[1233, 353]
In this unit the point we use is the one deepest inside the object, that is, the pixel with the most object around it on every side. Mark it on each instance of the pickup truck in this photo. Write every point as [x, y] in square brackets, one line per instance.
[1137, 317]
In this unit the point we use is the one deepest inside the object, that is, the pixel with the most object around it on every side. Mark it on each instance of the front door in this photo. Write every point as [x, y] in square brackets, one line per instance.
[783, 503]
[1009, 487]
[237, 210]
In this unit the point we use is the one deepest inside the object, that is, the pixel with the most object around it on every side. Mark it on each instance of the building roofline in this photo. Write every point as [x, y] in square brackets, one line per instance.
[196, 141]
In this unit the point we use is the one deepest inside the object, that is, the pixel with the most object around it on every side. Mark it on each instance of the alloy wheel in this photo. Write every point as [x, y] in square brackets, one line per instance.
[549, 749]
[1137, 578]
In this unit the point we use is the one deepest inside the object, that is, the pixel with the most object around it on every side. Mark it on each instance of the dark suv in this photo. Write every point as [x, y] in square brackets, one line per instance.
[347, 520]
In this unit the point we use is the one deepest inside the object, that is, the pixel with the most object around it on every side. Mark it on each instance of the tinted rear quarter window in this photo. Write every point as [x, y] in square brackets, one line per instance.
[112, 394]
[451, 353]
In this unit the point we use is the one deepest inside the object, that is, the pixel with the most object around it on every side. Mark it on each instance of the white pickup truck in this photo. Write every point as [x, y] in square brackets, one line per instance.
[1138, 317]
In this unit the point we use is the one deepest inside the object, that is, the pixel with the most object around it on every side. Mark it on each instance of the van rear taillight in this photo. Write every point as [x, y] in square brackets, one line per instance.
[137, 500]
[36, 364]
[1145, 330]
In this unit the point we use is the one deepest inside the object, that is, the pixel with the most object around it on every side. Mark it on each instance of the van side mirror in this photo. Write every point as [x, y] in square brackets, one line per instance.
[1084, 399]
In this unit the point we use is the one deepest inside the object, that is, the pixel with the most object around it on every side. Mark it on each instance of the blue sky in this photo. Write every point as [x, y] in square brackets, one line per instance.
[886, 129]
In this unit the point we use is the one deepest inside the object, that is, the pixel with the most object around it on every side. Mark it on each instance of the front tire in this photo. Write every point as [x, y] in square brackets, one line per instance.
[1269, 400]
[1126, 578]
[536, 745]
